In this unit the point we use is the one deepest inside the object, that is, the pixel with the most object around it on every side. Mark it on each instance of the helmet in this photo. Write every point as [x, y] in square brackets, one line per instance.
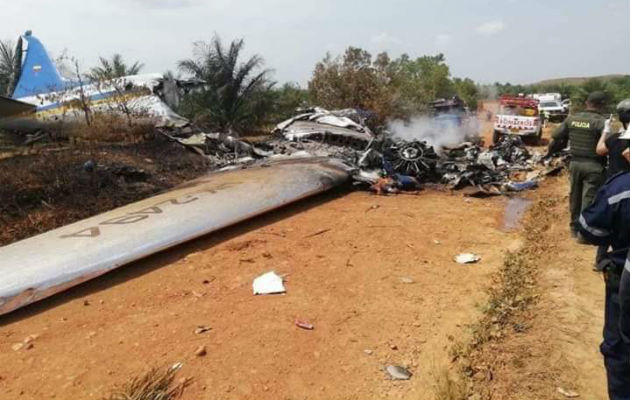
[597, 98]
[623, 109]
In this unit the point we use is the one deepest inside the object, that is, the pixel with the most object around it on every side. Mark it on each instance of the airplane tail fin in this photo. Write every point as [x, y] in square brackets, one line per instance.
[38, 72]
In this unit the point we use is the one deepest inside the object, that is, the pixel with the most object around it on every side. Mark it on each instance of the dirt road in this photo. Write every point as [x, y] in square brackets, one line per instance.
[576, 304]
[374, 275]
[380, 285]
[553, 343]
[559, 344]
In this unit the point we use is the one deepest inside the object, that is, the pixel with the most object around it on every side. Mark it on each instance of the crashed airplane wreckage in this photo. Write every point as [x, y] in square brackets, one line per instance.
[384, 162]
[309, 154]
[41, 99]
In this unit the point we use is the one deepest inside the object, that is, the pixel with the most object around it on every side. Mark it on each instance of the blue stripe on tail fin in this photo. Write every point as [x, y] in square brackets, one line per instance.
[39, 74]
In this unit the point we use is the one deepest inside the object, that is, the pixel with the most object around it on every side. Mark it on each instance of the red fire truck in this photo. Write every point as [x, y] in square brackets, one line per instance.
[518, 115]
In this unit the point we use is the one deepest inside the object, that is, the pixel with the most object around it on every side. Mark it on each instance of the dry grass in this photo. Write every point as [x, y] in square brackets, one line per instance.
[108, 128]
[157, 384]
[448, 388]
[39, 192]
[511, 292]
[511, 298]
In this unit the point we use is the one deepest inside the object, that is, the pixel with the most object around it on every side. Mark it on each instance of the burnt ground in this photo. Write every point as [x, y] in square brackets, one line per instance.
[51, 187]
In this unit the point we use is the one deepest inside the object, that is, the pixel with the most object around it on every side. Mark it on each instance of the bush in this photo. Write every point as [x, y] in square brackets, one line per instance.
[393, 89]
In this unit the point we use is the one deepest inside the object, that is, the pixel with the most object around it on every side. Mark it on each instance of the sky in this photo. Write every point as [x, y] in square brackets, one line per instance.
[513, 41]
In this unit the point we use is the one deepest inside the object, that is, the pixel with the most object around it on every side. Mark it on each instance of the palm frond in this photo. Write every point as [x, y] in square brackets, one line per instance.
[113, 68]
[231, 95]
[192, 67]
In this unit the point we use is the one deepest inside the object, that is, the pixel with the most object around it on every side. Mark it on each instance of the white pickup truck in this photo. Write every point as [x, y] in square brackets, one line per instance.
[517, 116]
[553, 110]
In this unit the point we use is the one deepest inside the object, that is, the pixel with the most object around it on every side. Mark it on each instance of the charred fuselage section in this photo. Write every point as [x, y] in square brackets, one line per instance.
[383, 158]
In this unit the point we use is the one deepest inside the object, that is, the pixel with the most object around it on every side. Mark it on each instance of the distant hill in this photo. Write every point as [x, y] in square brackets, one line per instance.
[578, 80]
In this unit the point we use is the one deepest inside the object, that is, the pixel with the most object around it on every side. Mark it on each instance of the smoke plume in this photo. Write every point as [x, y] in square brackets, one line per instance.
[437, 132]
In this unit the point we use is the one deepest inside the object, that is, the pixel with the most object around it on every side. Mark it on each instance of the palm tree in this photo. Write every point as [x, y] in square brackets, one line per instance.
[7, 66]
[579, 95]
[235, 94]
[114, 68]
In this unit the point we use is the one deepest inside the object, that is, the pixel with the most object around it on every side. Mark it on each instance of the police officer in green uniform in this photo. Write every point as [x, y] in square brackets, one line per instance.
[587, 169]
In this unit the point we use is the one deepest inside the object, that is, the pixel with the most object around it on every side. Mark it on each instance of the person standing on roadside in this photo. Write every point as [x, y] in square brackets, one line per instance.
[606, 223]
[587, 173]
[611, 145]
[624, 285]
[624, 303]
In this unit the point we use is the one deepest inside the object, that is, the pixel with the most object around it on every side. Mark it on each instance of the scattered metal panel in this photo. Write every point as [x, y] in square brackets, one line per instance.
[320, 124]
[52, 262]
[313, 130]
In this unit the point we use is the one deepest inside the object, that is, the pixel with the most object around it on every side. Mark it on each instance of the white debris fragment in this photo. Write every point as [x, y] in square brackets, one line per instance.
[198, 139]
[398, 373]
[467, 258]
[269, 283]
[568, 393]
[292, 156]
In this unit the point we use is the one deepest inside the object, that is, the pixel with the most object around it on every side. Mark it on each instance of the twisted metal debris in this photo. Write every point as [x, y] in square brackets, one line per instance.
[384, 160]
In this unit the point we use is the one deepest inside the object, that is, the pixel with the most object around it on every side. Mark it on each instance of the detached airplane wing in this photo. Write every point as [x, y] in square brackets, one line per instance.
[43, 265]
[11, 108]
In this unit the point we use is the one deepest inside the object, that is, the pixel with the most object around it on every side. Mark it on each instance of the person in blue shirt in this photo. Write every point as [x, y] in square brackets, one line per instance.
[606, 222]
[624, 286]
[624, 302]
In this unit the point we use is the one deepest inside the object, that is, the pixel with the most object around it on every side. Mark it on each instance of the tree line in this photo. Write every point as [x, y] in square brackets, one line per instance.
[616, 89]
[240, 96]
